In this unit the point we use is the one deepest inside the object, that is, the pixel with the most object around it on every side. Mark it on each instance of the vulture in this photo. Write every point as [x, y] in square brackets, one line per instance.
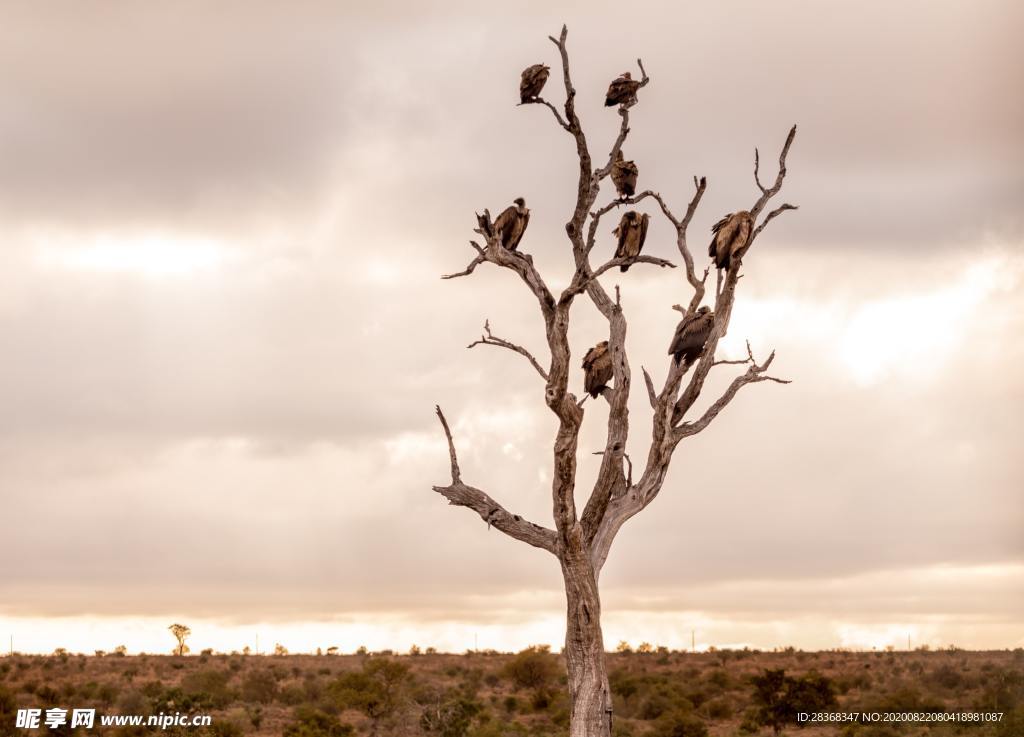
[534, 78]
[632, 232]
[622, 91]
[624, 174]
[597, 369]
[731, 235]
[691, 335]
[511, 224]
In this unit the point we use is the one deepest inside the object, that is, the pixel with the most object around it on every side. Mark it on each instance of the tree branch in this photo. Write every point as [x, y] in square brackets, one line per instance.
[462, 495]
[774, 213]
[767, 194]
[757, 169]
[554, 110]
[754, 374]
[651, 395]
[488, 338]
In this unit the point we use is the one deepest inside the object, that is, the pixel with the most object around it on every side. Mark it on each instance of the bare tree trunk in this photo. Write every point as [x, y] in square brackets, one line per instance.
[589, 694]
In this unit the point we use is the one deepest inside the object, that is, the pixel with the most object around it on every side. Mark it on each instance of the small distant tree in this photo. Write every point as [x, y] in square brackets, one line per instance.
[581, 538]
[623, 647]
[645, 648]
[332, 650]
[280, 649]
[414, 650]
[121, 650]
[180, 632]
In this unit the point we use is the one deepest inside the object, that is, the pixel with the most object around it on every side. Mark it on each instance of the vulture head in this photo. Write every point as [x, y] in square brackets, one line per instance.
[704, 309]
[626, 75]
[519, 202]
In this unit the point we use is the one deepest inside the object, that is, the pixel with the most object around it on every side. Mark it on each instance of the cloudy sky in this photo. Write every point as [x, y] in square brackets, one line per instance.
[223, 331]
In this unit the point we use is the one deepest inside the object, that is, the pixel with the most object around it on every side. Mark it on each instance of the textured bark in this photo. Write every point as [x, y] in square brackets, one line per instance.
[589, 692]
[581, 543]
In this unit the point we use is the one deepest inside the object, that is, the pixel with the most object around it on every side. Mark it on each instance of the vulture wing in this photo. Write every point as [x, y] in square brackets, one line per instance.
[635, 239]
[519, 223]
[597, 366]
[502, 222]
[645, 221]
[621, 91]
[533, 80]
[741, 225]
[509, 227]
[622, 230]
[690, 337]
[624, 175]
[718, 250]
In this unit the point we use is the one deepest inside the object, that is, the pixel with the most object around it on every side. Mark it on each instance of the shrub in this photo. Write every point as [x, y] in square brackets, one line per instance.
[1012, 724]
[448, 715]
[226, 728]
[533, 668]
[779, 697]
[311, 722]
[207, 689]
[377, 690]
[259, 686]
[680, 724]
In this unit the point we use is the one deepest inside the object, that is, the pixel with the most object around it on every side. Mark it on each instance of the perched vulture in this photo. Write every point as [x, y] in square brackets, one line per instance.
[534, 78]
[691, 335]
[597, 369]
[731, 234]
[622, 91]
[624, 174]
[632, 232]
[511, 224]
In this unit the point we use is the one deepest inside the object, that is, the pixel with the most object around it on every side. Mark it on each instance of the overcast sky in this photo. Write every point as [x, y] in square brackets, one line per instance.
[223, 331]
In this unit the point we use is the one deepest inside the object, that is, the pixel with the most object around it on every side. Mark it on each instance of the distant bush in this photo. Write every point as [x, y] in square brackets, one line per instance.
[718, 709]
[311, 722]
[778, 697]
[378, 690]
[448, 714]
[679, 724]
[259, 686]
[226, 728]
[947, 677]
[533, 668]
[292, 694]
[207, 688]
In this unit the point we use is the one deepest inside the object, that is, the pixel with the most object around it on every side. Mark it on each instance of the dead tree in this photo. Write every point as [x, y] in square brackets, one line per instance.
[580, 542]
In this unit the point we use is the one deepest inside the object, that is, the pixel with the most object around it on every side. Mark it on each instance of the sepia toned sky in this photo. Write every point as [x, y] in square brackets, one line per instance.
[223, 332]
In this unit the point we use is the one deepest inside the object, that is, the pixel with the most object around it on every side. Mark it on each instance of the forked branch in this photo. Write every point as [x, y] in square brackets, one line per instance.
[462, 495]
[754, 374]
[489, 338]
